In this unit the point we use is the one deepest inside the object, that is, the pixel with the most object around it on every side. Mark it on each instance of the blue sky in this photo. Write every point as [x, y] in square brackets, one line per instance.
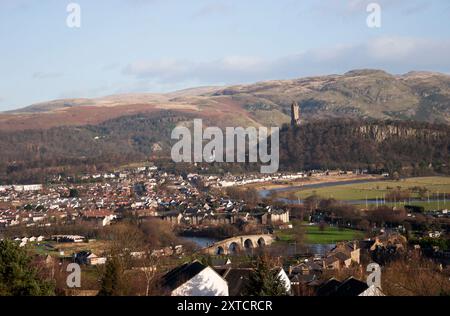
[127, 46]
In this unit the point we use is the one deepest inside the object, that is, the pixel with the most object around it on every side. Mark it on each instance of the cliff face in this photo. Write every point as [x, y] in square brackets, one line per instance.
[380, 133]
[376, 144]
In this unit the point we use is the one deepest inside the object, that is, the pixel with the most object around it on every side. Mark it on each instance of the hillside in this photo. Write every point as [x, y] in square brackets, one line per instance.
[360, 94]
[412, 148]
[362, 119]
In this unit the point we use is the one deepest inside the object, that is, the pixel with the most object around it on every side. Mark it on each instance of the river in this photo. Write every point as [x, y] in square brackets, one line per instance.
[201, 242]
[291, 249]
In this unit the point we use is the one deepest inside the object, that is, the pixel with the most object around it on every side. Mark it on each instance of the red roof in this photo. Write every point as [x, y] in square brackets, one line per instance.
[97, 213]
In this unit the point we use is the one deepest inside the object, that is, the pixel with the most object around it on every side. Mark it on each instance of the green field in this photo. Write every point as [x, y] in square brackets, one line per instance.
[379, 189]
[313, 235]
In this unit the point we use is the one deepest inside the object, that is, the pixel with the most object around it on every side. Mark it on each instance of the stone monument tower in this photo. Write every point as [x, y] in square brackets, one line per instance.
[295, 114]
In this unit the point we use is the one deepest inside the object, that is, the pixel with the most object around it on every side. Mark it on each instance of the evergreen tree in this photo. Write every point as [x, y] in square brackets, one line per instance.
[264, 281]
[18, 277]
[112, 282]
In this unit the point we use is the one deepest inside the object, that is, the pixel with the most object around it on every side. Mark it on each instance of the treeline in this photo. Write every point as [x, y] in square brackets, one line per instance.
[31, 155]
[410, 148]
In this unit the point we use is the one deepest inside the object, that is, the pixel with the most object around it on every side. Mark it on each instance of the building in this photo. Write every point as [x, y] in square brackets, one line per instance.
[89, 258]
[28, 188]
[99, 217]
[275, 216]
[343, 256]
[348, 287]
[238, 279]
[194, 279]
[295, 114]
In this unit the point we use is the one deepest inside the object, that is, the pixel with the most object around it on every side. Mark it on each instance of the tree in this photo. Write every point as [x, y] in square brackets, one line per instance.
[415, 277]
[18, 277]
[125, 238]
[299, 233]
[158, 233]
[73, 193]
[264, 280]
[112, 281]
[148, 265]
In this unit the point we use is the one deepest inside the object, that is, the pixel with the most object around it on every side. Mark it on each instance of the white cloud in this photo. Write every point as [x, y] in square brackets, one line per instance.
[394, 54]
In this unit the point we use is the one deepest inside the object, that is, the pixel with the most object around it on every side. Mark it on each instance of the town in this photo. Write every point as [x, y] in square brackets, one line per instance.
[161, 233]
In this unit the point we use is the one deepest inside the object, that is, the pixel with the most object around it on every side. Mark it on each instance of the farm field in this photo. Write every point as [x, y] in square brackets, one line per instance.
[379, 189]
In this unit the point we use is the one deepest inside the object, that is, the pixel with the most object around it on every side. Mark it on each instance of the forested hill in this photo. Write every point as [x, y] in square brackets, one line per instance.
[407, 147]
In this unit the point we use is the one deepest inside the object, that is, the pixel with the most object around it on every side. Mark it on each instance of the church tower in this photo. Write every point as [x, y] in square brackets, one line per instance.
[295, 114]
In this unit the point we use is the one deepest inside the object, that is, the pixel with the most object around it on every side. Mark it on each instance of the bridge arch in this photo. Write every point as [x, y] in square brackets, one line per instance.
[248, 244]
[233, 247]
[261, 242]
[220, 251]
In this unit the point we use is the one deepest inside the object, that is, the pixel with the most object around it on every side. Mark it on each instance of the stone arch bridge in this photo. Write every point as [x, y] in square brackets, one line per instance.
[239, 243]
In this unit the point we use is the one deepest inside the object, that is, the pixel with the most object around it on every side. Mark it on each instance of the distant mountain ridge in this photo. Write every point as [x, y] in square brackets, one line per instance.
[357, 94]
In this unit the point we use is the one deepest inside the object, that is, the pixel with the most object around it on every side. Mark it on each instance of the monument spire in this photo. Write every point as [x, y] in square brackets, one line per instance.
[295, 114]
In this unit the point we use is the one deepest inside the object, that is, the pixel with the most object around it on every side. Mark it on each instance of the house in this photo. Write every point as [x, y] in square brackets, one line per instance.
[343, 256]
[68, 238]
[99, 217]
[388, 240]
[238, 278]
[284, 278]
[89, 258]
[349, 287]
[305, 273]
[194, 279]
[275, 216]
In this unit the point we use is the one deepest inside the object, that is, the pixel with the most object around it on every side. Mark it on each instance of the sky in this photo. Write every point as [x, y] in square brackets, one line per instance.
[133, 46]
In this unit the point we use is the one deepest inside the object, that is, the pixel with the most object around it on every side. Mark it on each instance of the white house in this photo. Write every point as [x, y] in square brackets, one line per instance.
[195, 279]
[372, 291]
[285, 279]
[94, 260]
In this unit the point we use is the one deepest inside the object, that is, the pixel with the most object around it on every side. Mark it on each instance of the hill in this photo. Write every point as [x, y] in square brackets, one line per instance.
[358, 94]
[411, 148]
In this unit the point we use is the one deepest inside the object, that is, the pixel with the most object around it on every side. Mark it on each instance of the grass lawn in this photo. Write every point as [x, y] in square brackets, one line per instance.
[314, 236]
[98, 247]
[373, 190]
[432, 206]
